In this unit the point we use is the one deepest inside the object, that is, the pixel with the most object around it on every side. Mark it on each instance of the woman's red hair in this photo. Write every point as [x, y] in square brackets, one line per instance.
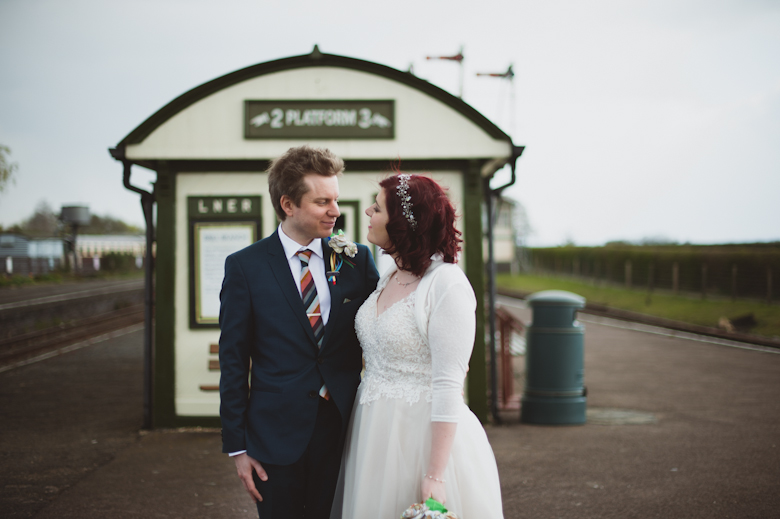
[435, 232]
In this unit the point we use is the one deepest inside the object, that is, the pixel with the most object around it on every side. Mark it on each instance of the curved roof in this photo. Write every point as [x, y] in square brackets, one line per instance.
[315, 59]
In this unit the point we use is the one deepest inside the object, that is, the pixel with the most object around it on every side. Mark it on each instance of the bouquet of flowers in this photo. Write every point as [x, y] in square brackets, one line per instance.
[431, 509]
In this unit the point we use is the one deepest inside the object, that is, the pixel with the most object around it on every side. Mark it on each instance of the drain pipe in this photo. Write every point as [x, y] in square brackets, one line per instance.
[147, 204]
[492, 216]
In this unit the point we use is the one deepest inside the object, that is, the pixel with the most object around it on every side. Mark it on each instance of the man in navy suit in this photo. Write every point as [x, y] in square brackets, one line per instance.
[289, 357]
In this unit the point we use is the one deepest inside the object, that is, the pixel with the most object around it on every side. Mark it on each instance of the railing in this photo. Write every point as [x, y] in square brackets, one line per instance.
[507, 325]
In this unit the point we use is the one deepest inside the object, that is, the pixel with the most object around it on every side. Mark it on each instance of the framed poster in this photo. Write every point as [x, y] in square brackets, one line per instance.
[214, 235]
[213, 243]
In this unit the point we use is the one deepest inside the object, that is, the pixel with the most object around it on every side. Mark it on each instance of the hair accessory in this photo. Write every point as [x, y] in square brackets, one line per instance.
[406, 201]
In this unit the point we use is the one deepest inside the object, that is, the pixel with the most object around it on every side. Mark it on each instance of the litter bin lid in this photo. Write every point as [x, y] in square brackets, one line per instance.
[556, 297]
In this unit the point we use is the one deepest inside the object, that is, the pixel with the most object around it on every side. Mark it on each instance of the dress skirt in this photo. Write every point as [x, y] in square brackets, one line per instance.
[386, 453]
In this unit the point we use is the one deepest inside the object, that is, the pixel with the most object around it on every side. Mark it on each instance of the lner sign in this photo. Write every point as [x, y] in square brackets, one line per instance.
[219, 207]
[290, 119]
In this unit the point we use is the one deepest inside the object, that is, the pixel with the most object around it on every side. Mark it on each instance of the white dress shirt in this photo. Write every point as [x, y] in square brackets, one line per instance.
[316, 267]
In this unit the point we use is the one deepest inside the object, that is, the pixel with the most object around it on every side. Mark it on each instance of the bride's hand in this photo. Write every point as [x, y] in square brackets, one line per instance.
[434, 489]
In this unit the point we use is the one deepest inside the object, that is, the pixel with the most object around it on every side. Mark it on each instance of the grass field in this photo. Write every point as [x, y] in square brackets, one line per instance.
[692, 310]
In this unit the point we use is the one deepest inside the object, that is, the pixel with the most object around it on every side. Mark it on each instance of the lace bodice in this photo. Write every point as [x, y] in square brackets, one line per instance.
[398, 362]
[420, 346]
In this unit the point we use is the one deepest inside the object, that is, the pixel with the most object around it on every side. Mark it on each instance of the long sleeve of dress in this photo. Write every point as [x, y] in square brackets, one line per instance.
[451, 329]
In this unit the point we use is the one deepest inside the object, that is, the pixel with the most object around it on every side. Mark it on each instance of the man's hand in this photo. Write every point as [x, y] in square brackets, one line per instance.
[244, 467]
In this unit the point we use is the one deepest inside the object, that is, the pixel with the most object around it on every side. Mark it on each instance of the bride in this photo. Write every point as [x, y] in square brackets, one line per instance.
[411, 436]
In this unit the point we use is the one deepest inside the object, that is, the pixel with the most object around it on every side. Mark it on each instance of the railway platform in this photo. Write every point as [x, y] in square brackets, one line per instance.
[706, 444]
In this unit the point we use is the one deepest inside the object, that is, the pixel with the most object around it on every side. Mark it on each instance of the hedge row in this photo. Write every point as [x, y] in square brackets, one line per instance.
[751, 271]
[118, 262]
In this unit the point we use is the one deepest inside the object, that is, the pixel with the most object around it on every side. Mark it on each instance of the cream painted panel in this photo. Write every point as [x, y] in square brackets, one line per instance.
[192, 346]
[213, 128]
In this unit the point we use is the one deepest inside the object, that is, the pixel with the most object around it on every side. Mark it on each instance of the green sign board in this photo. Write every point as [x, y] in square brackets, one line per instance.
[290, 119]
[218, 226]
[220, 207]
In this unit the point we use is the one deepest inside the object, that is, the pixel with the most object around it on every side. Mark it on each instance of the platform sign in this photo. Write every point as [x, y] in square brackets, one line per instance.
[219, 226]
[306, 119]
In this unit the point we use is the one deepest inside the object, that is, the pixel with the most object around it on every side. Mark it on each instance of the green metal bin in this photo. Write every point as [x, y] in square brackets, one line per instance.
[554, 391]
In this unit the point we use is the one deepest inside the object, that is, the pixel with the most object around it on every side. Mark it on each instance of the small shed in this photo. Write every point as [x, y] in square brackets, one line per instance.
[210, 148]
[26, 256]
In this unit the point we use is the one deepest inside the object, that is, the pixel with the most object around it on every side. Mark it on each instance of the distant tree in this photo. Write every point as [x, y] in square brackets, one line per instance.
[617, 243]
[108, 225]
[7, 168]
[657, 240]
[14, 229]
[43, 222]
[521, 224]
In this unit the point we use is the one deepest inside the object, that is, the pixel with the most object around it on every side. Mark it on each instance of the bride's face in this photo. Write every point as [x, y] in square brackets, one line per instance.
[377, 230]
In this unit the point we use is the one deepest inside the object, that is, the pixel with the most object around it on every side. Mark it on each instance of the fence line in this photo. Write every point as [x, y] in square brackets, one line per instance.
[716, 275]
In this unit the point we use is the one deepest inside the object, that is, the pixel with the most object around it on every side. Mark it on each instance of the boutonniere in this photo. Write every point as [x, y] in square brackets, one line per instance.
[341, 247]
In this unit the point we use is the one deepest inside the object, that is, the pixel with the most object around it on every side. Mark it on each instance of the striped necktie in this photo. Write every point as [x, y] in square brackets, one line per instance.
[311, 302]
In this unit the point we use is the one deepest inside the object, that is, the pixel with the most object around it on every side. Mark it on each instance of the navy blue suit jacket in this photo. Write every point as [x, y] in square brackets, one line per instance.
[262, 320]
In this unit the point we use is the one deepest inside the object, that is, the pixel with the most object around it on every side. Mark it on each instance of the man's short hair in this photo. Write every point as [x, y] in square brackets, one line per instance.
[286, 174]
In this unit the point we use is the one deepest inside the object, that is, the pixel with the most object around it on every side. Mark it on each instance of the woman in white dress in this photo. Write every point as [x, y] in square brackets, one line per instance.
[411, 436]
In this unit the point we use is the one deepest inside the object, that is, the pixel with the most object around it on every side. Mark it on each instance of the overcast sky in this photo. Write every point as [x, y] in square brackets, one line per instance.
[640, 119]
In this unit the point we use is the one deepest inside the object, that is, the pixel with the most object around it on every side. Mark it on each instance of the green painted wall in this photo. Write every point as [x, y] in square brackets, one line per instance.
[163, 412]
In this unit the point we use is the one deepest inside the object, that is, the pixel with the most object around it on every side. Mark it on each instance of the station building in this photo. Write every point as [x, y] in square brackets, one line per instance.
[210, 148]
[23, 255]
[26, 256]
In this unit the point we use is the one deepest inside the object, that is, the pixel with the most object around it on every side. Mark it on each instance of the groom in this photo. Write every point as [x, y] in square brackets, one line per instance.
[289, 357]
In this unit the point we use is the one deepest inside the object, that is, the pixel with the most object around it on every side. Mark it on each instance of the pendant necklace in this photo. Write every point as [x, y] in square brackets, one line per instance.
[404, 284]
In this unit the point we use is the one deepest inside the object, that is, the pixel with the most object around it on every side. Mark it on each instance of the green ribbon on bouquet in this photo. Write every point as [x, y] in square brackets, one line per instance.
[434, 505]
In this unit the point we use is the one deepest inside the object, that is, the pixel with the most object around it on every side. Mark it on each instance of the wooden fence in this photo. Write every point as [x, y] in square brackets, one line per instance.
[731, 271]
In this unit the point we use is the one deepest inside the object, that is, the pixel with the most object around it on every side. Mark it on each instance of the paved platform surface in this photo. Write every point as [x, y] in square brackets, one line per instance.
[70, 445]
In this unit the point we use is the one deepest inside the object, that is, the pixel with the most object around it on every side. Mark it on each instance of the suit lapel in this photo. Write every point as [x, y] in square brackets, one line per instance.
[281, 269]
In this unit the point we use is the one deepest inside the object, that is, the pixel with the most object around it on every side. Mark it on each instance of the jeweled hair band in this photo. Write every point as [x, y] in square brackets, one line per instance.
[406, 201]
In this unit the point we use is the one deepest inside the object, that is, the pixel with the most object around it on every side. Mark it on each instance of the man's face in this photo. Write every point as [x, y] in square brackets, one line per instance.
[316, 216]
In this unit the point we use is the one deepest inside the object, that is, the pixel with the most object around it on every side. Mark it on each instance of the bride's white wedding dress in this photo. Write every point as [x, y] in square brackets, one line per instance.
[408, 382]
